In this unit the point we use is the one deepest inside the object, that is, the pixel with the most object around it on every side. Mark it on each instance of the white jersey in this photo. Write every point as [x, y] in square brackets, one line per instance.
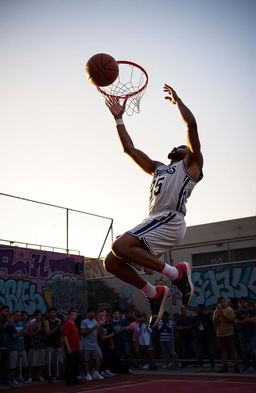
[170, 189]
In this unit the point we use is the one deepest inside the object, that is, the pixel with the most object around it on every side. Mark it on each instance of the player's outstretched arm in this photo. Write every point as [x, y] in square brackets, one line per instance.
[137, 155]
[190, 121]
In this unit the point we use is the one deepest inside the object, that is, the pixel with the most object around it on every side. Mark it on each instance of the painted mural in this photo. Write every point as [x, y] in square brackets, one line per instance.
[36, 279]
[230, 283]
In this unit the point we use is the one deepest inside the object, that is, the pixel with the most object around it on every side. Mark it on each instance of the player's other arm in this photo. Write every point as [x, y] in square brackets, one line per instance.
[196, 157]
[137, 155]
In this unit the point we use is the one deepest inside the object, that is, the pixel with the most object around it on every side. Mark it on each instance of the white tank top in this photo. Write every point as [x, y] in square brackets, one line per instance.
[170, 189]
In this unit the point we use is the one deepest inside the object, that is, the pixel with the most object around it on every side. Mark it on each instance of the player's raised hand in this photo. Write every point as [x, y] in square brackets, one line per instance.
[115, 107]
[173, 97]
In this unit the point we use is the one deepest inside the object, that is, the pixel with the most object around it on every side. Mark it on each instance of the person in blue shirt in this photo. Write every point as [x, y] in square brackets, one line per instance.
[16, 347]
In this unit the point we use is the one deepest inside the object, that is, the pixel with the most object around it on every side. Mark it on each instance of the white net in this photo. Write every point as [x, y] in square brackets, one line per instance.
[131, 82]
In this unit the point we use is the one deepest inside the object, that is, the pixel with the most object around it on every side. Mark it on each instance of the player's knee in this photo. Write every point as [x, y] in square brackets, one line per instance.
[110, 263]
[118, 250]
[107, 263]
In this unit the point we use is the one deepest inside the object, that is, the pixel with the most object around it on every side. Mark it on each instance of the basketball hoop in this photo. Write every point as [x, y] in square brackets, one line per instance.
[130, 83]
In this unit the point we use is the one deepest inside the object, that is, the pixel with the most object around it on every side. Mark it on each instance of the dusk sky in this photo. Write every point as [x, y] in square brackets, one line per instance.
[59, 142]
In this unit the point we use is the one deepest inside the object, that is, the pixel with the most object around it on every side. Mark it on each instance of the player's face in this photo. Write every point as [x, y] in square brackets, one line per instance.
[178, 153]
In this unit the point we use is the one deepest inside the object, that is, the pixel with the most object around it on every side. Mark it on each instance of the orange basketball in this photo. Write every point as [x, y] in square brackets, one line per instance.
[102, 69]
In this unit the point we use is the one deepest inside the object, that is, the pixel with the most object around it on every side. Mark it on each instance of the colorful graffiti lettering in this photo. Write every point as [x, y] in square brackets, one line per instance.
[36, 264]
[21, 295]
[65, 291]
[229, 283]
[31, 279]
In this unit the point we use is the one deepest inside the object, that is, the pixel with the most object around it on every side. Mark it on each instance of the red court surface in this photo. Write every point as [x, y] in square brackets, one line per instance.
[148, 383]
[176, 386]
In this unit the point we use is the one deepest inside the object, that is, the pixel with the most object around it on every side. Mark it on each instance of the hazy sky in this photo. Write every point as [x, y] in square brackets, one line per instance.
[58, 140]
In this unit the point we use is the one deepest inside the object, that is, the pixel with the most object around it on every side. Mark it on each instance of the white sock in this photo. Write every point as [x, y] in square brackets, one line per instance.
[170, 271]
[149, 290]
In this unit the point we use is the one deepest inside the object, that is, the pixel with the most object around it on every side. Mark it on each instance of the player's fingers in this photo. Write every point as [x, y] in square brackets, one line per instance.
[124, 103]
[108, 102]
[170, 99]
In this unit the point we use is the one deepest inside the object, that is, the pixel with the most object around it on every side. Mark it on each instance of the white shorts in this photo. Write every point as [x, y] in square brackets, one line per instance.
[160, 233]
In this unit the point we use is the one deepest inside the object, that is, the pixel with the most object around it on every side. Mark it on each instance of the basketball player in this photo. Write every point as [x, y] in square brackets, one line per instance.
[165, 227]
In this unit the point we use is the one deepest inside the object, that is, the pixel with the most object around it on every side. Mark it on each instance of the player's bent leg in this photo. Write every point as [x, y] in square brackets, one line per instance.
[132, 249]
[157, 296]
[121, 269]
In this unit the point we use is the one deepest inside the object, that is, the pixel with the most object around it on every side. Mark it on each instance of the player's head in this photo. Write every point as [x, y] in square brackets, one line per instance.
[178, 153]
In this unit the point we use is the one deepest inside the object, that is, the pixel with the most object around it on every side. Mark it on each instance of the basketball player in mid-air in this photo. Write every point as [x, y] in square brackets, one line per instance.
[165, 227]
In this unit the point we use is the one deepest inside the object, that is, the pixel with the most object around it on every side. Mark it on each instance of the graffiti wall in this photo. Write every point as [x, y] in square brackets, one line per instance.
[229, 283]
[36, 279]
[31, 279]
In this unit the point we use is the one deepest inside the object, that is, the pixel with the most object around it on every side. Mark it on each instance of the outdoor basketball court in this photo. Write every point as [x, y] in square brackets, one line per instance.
[148, 383]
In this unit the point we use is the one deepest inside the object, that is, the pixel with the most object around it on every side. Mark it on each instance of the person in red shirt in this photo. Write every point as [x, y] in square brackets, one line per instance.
[73, 348]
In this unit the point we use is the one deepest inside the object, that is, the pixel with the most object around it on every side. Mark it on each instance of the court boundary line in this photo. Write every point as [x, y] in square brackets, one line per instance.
[165, 380]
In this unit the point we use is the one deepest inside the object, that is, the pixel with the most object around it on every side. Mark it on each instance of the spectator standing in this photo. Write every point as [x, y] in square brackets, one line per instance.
[54, 350]
[121, 328]
[36, 354]
[91, 349]
[106, 344]
[224, 318]
[165, 327]
[134, 325]
[184, 336]
[204, 336]
[4, 352]
[73, 348]
[17, 354]
[246, 324]
[25, 319]
[145, 332]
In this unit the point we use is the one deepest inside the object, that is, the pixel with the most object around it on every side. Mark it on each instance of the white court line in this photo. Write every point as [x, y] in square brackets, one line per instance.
[164, 380]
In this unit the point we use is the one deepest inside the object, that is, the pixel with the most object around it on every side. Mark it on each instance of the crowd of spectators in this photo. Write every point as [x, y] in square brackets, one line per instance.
[79, 349]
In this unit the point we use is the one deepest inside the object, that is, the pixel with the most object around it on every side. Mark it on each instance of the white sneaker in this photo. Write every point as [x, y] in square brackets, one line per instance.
[14, 382]
[22, 380]
[88, 377]
[108, 373]
[96, 375]
[145, 367]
